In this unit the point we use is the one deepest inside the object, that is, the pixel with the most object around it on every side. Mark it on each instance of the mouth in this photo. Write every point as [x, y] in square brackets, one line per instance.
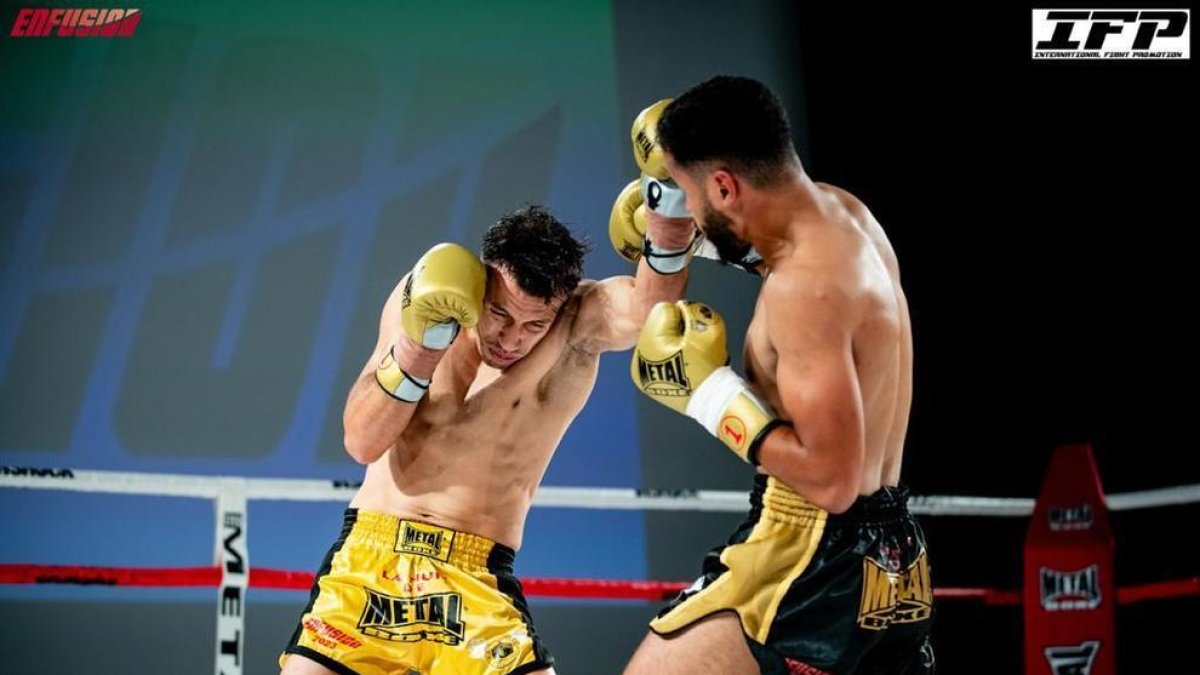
[499, 356]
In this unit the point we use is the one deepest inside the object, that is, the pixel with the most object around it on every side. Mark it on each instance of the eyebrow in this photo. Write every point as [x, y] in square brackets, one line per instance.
[503, 311]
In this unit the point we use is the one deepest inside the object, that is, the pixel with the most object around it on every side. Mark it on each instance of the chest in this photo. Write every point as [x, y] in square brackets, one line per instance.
[759, 354]
[488, 397]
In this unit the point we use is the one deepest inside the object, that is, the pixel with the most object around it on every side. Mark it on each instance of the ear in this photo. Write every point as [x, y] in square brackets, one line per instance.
[723, 187]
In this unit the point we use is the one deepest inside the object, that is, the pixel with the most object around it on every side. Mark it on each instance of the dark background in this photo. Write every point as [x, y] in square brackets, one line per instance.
[1039, 211]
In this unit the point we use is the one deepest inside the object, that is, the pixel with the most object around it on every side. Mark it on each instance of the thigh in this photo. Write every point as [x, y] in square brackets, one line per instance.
[296, 664]
[713, 645]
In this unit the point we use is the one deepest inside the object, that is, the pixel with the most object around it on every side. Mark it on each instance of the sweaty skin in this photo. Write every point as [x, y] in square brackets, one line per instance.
[475, 449]
[829, 347]
[835, 309]
[830, 343]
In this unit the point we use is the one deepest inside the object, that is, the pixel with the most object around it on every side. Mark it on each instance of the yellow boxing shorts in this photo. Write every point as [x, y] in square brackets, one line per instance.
[401, 596]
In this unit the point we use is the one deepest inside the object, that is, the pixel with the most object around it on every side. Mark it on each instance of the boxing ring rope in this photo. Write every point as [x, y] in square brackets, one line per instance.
[311, 490]
[233, 575]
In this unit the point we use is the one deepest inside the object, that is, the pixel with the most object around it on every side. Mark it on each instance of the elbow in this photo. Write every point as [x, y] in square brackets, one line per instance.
[839, 499]
[361, 451]
[841, 490]
[626, 339]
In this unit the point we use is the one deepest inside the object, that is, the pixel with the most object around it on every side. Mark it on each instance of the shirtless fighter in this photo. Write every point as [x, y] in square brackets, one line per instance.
[479, 368]
[828, 574]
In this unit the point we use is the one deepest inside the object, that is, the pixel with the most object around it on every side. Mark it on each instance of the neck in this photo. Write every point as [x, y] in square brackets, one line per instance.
[773, 211]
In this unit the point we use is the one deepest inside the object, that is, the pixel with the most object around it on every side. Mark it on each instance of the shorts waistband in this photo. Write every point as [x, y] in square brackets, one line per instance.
[779, 502]
[402, 535]
[776, 498]
[888, 503]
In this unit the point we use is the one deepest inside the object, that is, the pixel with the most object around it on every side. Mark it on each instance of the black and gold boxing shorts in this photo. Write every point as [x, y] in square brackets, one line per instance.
[816, 593]
[400, 596]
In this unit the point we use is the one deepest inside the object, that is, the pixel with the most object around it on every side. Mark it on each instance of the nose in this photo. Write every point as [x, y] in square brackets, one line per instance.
[508, 340]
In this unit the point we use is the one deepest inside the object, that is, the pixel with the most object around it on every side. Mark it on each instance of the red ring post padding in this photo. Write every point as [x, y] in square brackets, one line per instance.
[1070, 592]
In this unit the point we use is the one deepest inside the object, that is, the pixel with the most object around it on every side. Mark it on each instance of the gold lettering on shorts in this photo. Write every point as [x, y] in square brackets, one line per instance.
[915, 592]
[895, 597]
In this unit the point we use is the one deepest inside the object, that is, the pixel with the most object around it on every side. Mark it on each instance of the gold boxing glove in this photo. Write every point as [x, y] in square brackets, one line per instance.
[443, 292]
[661, 194]
[681, 361]
[628, 231]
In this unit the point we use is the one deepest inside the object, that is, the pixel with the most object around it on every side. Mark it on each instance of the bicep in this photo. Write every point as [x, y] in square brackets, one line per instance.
[389, 327]
[816, 377]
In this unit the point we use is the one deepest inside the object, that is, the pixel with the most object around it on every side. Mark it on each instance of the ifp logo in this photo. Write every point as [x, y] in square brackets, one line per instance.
[1111, 34]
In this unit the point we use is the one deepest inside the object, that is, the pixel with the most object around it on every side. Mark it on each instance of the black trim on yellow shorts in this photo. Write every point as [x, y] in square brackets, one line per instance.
[530, 667]
[347, 524]
[320, 658]
[500, 564]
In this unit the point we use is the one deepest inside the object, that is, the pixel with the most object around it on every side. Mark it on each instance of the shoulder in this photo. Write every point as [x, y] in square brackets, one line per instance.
[847, 198]
[802, 282]
[594, 298]
[598, 306]
[809, 298]
[867, 223]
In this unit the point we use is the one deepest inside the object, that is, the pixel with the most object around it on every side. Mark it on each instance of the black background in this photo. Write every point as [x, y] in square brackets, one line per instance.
[1041, 211]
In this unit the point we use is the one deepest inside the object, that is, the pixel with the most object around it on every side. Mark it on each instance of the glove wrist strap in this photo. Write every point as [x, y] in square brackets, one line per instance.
[664, 261]
[725, 405]
[397, 383]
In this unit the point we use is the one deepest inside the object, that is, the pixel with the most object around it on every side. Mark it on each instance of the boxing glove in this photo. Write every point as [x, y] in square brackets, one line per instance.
[442, 293]
[681, 361]
[633, 233]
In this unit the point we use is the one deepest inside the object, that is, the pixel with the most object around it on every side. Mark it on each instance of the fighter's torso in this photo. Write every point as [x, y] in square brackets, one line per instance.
[881, 339]
[478, 445]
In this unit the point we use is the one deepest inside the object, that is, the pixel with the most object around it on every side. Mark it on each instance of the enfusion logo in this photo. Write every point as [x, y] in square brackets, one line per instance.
[1116, 34]
[75, 22]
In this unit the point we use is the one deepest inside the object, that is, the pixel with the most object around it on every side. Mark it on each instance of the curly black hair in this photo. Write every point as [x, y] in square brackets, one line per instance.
[538, 250]
[736, 121]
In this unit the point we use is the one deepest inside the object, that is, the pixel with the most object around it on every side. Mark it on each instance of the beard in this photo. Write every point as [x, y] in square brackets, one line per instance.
[718, 229]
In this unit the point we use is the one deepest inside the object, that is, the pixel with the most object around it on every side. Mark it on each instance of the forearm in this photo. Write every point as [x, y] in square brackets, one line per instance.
[651, 288]
[628, 304]
[373, 420]
[824, 478]
[384, 399]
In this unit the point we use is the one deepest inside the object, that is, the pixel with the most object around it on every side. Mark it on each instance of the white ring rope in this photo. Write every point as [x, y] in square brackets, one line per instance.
[182, 485]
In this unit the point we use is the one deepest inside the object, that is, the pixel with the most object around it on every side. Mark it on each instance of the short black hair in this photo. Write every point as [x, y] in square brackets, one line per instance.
[538, 250]
[736, 121]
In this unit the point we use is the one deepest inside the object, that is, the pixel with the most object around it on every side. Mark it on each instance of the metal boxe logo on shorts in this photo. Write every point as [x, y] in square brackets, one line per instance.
[1111, 34]
[436, 617]
[893, 595]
